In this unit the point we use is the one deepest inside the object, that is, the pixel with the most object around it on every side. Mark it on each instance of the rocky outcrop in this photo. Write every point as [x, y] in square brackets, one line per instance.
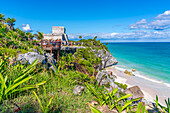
[49, 59]
[128, 73]
[133, 70]
[30, 57]
[106, 79]
[107, 58]
[78, 89]
[135, 91]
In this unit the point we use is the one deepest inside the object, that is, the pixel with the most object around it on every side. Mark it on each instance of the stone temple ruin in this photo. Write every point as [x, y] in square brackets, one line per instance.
[57, 33]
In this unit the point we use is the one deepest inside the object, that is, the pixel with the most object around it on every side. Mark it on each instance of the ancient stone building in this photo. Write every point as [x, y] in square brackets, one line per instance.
[57, 33]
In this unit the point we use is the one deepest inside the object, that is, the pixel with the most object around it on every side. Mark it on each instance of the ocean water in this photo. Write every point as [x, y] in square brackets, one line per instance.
[150, 59]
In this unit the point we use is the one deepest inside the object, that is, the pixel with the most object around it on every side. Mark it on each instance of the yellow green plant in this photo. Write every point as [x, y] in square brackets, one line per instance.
[44, 109]
[10, 86]
[165, 109]
[141, 108]
[94, 109]
[110, 98]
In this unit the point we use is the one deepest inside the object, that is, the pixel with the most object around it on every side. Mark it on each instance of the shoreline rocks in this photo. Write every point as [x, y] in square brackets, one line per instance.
[135, 91]
[128, 73]
[133, 70]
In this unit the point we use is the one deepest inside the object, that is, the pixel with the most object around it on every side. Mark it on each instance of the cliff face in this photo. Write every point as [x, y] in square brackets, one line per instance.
[107, 58]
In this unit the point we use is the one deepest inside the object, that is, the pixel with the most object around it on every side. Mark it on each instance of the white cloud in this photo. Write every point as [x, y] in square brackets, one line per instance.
[165, 15]
[135, 35]
[161, 22]
[26, 28]
[157, 29]
[139, 24]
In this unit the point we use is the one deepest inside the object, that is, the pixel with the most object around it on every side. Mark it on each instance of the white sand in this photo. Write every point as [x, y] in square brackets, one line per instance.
[150, 88]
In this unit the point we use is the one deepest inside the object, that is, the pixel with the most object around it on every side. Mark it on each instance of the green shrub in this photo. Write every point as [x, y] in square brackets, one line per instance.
[122, 86]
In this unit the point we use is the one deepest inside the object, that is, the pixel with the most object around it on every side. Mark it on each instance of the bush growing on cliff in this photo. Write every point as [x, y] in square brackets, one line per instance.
[123, 86]
[94, 44]
[87, 58]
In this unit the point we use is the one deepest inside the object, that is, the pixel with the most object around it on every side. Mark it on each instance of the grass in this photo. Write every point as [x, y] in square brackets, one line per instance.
[59, 86]
[65, 102]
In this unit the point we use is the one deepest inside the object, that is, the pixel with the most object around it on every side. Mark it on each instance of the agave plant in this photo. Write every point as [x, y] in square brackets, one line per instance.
[10, 86]
[110, 99]
[44, 108]
[141, 108]
[165, 109]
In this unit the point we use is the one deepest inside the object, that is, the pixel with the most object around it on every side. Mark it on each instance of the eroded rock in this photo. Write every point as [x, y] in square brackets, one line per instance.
[46, 59]
[107, 58]
[78, 89]
[30, 57]
[128, 73]
[133, 70]
[106, 79]
[135, 91]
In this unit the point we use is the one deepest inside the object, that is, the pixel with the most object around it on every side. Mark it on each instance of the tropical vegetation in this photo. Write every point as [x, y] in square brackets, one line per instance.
[33, 88]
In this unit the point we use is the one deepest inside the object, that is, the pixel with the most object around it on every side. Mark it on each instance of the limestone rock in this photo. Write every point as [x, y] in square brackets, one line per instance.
[78, 89]
[92, 102]
[128, 73]
[30, 57]
[105, 109]
[21, 58]
[104, 78]
[133, 70]
[135, 91]
[47, 59]
[107, 58]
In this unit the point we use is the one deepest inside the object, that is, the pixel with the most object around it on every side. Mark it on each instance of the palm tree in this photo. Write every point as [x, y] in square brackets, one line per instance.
[10, 23]
[80, 37]
[39, 36]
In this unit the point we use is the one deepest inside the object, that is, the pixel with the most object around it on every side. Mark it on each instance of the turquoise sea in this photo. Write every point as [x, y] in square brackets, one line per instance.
[150, 59]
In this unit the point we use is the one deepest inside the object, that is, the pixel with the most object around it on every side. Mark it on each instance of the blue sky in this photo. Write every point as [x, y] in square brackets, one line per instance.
[110, 20]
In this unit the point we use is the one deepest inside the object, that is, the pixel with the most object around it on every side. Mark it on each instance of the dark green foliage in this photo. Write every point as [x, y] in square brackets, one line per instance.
[123, 86]
[87, 58]
[54, 89]
[94, 44]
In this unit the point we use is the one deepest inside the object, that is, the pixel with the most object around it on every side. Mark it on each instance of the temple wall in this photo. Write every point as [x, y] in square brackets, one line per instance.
[54, 37]
[58, 30]
[57, 33]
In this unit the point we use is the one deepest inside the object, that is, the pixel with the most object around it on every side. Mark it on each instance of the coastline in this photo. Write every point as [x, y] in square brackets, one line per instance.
[149, 87]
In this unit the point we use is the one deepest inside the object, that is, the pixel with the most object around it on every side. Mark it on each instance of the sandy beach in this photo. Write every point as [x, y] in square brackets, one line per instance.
[149, 87]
